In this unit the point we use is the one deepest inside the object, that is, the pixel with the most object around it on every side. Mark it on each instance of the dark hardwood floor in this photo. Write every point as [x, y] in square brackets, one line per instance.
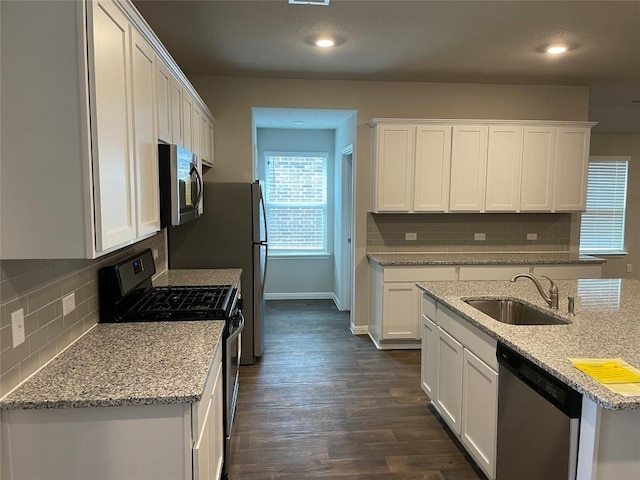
[326, 403]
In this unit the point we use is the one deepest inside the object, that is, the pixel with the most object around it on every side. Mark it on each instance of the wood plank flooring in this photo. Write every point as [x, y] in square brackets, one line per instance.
[324, 403]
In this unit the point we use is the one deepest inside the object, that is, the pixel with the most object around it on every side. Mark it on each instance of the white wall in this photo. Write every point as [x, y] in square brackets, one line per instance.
[624, 145]
[295, 277]
[231, 99]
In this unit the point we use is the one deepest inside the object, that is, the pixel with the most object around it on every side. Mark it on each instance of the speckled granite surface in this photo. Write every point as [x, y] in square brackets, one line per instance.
[131, 363]
[230, 276]
[606, 325]
[413, 259]
[125, 364]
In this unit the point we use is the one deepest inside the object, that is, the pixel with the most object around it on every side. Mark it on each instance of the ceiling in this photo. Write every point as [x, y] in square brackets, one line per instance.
[417, 40]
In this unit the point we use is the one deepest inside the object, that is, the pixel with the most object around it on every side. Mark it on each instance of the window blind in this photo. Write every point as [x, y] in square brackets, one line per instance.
[602, 225]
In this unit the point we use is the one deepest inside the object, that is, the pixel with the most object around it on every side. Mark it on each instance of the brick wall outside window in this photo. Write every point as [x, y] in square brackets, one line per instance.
[296, 201]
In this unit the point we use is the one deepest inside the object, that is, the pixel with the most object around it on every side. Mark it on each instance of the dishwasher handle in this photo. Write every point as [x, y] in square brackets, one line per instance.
[561, 395]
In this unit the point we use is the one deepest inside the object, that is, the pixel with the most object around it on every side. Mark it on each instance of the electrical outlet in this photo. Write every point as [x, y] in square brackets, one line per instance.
[480, 236]
[68, 304]
[17, 327]
[629, 267]
[155, 253]
[411, 236]
[532, 236]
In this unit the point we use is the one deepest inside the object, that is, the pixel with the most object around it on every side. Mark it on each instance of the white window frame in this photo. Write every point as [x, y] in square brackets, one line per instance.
[302, 253]
[592, 223]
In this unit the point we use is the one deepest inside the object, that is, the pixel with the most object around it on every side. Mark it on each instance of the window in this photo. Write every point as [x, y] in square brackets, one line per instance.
[296, 202]
[602, 226]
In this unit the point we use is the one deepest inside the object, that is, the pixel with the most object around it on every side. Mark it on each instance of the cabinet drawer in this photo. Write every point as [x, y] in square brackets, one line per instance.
[419, 274]
[478, 342]
[568, 272]
[491, 272]
[199, 409]
[429, 307]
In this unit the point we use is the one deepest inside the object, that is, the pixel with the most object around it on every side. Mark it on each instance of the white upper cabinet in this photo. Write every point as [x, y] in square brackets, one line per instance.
[107, 97]
[572, 158]
[468, 168]
[538, 162]
[163, 95]
[393, 148]
[432, 168]
[423, 165]
[113, 166]
[504, 164]
[187, 120]
[143, 61]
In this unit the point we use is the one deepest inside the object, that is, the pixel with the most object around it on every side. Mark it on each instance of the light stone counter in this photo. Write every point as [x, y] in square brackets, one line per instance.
[606, 325]
[138, 363]
[416, 259]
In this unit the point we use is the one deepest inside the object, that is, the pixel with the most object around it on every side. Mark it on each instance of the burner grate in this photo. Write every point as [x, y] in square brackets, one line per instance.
[184, 303]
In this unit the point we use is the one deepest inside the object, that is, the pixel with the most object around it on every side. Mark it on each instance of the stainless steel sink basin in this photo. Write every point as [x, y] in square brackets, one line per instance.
[514, 312]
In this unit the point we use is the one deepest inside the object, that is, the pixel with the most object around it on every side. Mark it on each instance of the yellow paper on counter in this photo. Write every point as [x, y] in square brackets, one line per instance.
[607, 370]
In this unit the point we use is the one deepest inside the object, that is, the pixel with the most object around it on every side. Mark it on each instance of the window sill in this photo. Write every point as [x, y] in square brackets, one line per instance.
[300, 256]
[621, 253]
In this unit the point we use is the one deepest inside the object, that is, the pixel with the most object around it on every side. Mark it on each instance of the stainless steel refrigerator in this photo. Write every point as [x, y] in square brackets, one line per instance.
[231, 233]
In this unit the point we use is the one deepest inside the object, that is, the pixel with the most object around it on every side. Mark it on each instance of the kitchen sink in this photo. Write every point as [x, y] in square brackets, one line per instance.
[514, 312]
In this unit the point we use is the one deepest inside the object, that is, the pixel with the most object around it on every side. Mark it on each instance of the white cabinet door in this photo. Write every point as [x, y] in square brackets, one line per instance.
[163, 96]
[468, 168]
[504, 164]
[177, 107]
[196, 130]
[393, 156]
[570, 180]
[187, 120]
[216, 440]
[538, 163]
[449, 389]
[202, 455]
[400, 311]
[143, 69]
[479, 411]
[113, 166]
[211, 143]
[432, 168]
[429, 358]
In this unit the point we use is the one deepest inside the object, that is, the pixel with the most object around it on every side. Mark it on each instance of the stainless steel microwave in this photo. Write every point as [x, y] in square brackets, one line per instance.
[180, 185]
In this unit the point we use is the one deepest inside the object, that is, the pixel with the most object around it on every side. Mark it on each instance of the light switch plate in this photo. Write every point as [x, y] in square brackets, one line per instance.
[155, 253]
[17, 327]
[411, 236]
[68, 304]
[480, 236]
[532, 236]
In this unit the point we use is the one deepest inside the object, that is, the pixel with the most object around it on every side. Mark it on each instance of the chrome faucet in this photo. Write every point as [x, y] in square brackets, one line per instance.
[552, 299]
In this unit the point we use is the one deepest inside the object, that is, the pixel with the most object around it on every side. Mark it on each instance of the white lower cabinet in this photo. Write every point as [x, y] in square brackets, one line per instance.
[479, 411]
[449, 391]
[400, 305]
[428, 369]
[459, 373]
[179, 441]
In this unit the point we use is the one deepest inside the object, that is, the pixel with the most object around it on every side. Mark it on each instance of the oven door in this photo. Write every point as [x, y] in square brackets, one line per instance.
[233, 350]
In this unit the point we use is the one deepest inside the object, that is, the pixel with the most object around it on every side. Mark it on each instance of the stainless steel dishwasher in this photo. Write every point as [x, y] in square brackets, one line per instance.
[538, 422]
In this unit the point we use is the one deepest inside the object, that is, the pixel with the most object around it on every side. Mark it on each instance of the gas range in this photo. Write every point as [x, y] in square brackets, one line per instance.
[126, 294]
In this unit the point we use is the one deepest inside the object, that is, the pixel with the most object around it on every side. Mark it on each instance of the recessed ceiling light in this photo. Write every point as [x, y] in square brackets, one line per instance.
[556, 49]
[324, 42]
[309, 2]
[299, 122]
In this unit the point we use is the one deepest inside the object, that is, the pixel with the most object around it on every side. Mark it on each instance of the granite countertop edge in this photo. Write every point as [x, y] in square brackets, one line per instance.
[136, 342]
[585, 385]
[417, 259]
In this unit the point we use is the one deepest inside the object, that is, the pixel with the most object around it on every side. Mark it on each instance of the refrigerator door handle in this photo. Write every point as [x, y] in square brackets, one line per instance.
[266, 264]
[264, 218]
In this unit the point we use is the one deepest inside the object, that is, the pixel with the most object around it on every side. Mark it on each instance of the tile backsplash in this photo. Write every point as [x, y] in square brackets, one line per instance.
[455, 232]
[38, 286]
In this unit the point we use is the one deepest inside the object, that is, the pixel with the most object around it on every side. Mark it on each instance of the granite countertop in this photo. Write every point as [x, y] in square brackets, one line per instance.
[413, 259]
[138, 363]
[606, 325]
[204, 276]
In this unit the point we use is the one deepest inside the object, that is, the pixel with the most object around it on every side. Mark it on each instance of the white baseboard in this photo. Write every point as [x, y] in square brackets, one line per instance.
[300, 296]
[360, 330]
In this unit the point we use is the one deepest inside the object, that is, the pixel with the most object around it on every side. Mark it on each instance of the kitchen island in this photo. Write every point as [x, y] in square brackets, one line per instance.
[126, 400]
[606, 325]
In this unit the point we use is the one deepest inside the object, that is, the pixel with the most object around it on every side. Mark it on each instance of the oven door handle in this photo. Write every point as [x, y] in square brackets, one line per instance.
[238, 330]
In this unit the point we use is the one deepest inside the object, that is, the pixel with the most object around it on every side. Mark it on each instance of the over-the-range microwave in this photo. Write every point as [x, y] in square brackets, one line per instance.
[180, 185]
